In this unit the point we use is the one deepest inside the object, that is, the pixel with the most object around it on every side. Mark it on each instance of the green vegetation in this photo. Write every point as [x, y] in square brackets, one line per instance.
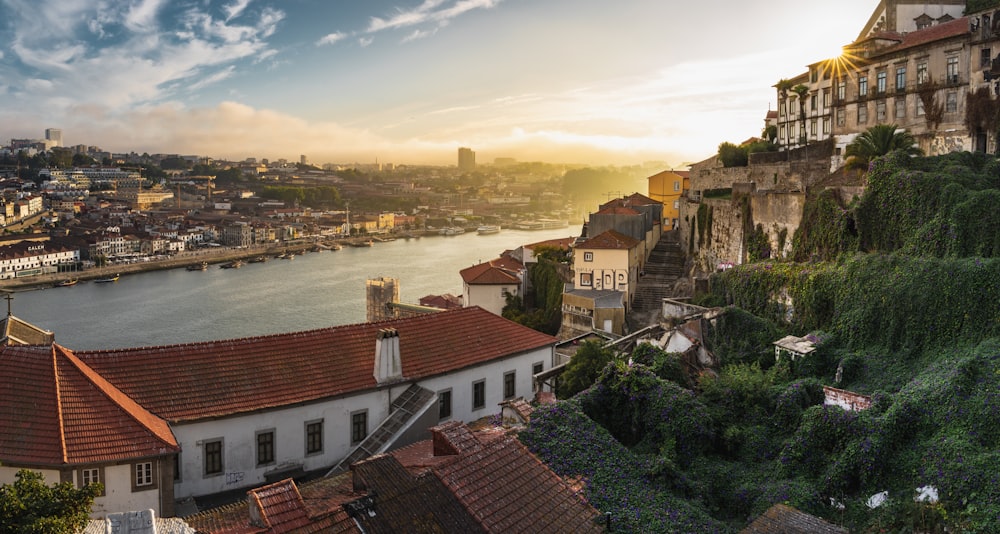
[907, 316]
[878, 141]
[541, 308]
[28, 506]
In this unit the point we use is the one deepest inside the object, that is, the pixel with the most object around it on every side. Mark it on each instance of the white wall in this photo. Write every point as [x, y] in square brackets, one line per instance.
[239, 432]
[488, 297]
[118, 494]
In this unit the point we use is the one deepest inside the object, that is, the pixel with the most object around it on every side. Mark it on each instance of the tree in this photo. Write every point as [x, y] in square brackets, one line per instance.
[732, 156]
[802, 91]
[877, 141]
[584, 368]
[29, 506]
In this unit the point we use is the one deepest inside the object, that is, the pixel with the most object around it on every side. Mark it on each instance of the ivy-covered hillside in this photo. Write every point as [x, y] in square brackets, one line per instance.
[907, 311]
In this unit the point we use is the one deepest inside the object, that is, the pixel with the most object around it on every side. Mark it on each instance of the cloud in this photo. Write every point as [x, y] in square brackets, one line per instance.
[331, 38]
[418, 34]
[214, 78]
[428, 12]
[365, 41]
[234, 9]
[133, 60]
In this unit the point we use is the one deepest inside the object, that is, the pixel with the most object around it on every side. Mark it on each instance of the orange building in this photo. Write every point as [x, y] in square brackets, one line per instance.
[666, 187]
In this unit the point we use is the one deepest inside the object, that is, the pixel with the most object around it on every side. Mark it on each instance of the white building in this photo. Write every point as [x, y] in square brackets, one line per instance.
[28, 258]
[240, 413]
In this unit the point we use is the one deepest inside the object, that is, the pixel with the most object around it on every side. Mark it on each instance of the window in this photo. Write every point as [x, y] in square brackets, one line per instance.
[265, 447]
[900, 108]
[588, 256]
[144, 476]
[951, 69]
[781, 109]
[90, 476]
[213, 457]
[478, 394]
[812, 127]
[862, 86]
[537, 367]
[841, 90]
[314, 437]
[812, 103]
[880, 82]
[841, 117]
[359, 426]
[677, 204]
[862, 114]
[781, 133]
[922, 76]
[677, 185]
[826, 98]
[444, 404]
[920, 107]
[509, 385]
[586, 279]
[951, 101]
[880, 111]
[900, 79]
[826, 125]
[984, 58]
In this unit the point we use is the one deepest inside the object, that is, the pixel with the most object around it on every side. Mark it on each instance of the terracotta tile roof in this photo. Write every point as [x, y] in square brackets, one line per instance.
[610, 239]
[782, 519]
[617, 210]
[218, 378]
[398, 501]
[55, 410]
[445, 302]
[508, 489]
[487, 274]
[635, 199]
[563, 243]
[278, 506]
[937, 32]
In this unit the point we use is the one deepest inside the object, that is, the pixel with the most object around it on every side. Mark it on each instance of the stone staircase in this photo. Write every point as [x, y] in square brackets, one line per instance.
[664, 267]
[409, 405]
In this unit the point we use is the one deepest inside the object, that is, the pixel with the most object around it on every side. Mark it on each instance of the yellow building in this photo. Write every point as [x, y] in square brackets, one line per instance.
[666, 187]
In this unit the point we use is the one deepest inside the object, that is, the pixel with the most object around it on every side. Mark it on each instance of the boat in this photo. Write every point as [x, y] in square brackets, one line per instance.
[365, 243]
[67, 283]
[235, 264]
[452, 230]
[198, 266]
[541, 224]
[488, 229]
[286, 256]
[258, 259]
[107, 280]
[336, 246]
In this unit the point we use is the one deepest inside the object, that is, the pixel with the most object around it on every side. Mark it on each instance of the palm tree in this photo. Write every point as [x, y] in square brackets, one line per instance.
[877, 141]
[802, 91]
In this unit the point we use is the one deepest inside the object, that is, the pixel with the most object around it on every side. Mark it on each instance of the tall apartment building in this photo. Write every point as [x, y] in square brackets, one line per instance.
[466, 159]
[53, 136]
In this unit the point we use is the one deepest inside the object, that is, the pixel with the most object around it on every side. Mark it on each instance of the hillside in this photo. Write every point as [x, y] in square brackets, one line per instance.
[906, 310]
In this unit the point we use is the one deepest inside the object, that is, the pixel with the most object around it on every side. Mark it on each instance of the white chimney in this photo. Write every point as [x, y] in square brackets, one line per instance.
[388, 366]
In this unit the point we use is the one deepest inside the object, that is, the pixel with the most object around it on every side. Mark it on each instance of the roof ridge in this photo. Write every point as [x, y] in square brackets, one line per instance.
[146, 419]
[59, 406]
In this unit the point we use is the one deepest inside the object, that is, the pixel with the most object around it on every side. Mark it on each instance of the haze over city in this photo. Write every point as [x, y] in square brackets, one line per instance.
[408, 81]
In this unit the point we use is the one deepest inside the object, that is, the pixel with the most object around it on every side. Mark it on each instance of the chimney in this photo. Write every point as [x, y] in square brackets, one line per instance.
[388, 365]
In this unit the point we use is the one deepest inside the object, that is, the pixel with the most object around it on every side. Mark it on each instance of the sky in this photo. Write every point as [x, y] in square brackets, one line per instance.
[409, 81]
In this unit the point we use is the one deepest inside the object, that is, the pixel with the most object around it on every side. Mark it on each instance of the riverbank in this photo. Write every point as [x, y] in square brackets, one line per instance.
[211, 256]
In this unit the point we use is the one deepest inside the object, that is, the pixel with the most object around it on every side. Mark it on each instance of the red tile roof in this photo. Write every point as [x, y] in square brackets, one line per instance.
[563, 243]
[635, 199]
[487, 274]
[617, 210]
[218, 378]
[937, 32]
[55, 410]
[508, 489]
[278, 506]
[783, 519]
[610, 239]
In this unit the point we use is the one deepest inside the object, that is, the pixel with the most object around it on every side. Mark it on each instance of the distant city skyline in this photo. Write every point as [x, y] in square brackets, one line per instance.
[408, 81]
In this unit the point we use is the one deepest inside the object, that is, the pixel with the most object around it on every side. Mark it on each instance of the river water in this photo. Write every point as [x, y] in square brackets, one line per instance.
[314, 290]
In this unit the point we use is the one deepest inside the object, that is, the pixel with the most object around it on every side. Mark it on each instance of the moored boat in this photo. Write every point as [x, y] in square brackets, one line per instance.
[488, 229]
[67, 283]
[107, 280]
[198, 266]
[235, 264]
[258, 259]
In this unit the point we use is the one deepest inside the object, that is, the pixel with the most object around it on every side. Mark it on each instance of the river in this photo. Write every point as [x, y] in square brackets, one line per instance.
[314, 290]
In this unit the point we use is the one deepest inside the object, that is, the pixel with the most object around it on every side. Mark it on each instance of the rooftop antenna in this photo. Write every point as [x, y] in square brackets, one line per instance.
[10, 297]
